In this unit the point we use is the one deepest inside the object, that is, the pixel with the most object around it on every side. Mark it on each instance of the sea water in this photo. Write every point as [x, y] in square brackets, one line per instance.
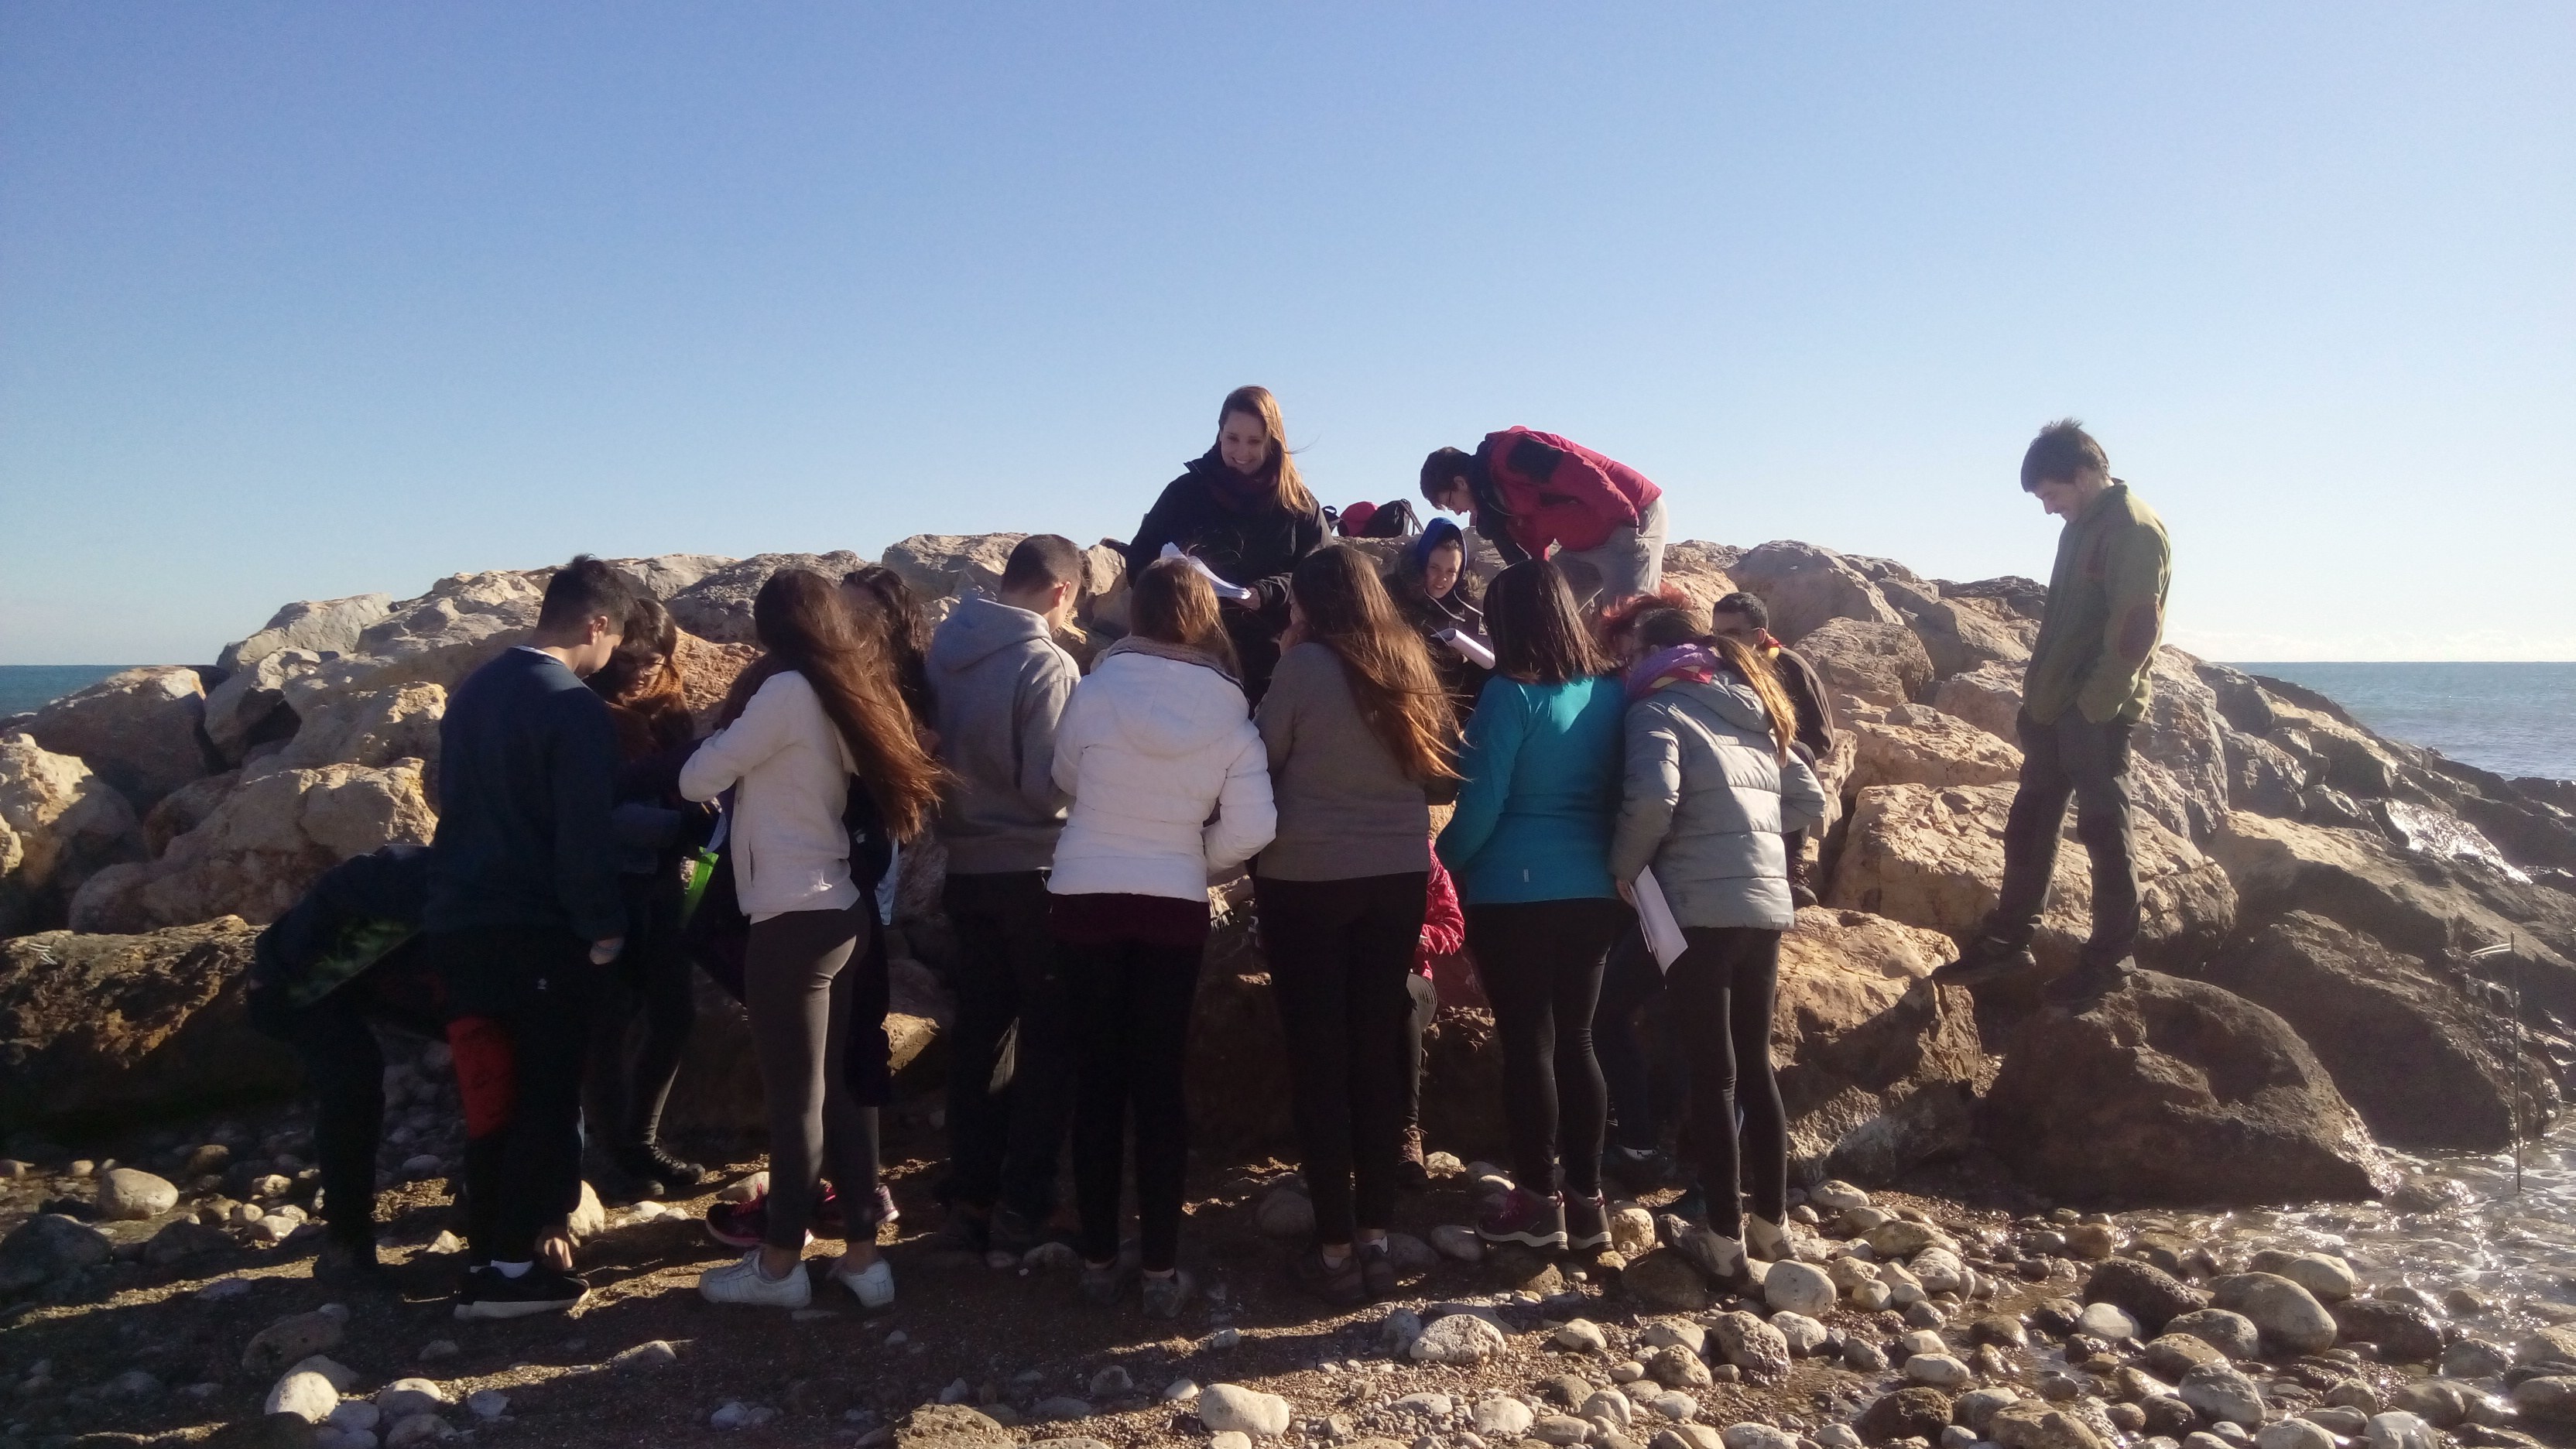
[2514, 719]
[32, 686]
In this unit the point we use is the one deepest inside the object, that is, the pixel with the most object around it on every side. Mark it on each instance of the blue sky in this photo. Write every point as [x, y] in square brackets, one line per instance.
[306, 300]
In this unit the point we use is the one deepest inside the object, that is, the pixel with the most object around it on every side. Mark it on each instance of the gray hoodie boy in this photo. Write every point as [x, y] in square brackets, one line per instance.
[998, 685]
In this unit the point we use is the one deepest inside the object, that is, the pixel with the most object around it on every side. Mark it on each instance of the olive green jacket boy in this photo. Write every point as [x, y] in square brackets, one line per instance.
[2106, 610]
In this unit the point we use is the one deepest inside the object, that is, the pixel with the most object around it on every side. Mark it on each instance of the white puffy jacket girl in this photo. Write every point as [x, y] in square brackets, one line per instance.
[1169, 778]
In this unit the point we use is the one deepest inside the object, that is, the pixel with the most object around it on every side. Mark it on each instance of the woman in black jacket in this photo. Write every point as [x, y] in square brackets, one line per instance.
[1241, 510]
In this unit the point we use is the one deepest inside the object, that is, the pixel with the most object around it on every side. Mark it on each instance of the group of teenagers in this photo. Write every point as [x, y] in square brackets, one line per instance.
[1275, 704]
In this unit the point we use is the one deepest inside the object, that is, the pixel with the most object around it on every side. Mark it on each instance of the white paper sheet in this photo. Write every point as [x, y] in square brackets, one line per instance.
[1655, 918]
[1468, 646]
[1223, 589]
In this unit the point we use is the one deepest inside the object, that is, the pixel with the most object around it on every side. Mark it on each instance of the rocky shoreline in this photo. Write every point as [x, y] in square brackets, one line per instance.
[2314, 898]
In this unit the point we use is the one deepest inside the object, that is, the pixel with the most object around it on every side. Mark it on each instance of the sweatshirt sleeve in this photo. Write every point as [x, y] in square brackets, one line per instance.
[1072, 733]
[584, 775]
[2135, 591]
[1802, 796]
[1493, 748]
[1653, 791]
[1042, 700]
[723, 758]
[1246, 818]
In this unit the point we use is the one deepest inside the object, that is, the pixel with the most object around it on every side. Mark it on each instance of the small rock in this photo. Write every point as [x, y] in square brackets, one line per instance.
[1458, 1338]
[2289, 1317]
[424, 1429]
[356, 1414]
[1563, 1430]
[308, 1396]
[1798, 1288]
[1499, 1416]
[1112, 1381]
[2093, 1241]
[1676, 1367]
[131, 1384]
[1222, 1339]
[1060, 1406]
[1686, 1436]
[2176, 1354]
[2403, 1332]
[129, 1194]
[1922, 1340]
[1666, 1280]
[2029, 1425]
[1286, 1213]
[1903, 1238]
[1581, 1335]
[2220, 1392]
[2109, 1322]
[1977, 1407]
[734, 1414]
[2232, 1334]
[1751, 1345]
[1627, 1371]
[1411, 1256]
[296, 1336]
[1837, 1436]
[1674, 1331]
[2475, 1358]
[1246, 1411]
[1674, 1405]
[1180, 1391]
[487, 1404]
[2399, 1430]
[1871, 1295]
[1862, 1356]
[439, 1348]
[1752, 1435]
[2327, 1277]
[1632, 1231]
[1835, 1195]
[405, 1397]
[2549, 1399]
[1452, 1241]
[1230, 1439]
[179, 1241]
[2437, 1402]
[343, 1378]
[1399, 1329]
[2293, 1434]
[1937, 1371]
[1913, 1413]
[1442, 1164]
[46, 1247]
[1608, 1408]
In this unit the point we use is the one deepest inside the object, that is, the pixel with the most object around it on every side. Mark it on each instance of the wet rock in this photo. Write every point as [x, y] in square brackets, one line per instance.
[2437, 1402]
[2150, 1294]
[2219, 1391]
[2288, 1317]
[2231, 1333]
[2109, 1322]
[1457, 1338]
[1665, 1281]
[2403, 1332]
[2326, 1277]
[1912, 1413]
[2548, 1399]
[293, 1337]
[2398, 1430]
[1862, 1356]
[2175, 1354]
[2294, 1434]
[1750, 1344]
[2475, 1358]
[1977, 1408]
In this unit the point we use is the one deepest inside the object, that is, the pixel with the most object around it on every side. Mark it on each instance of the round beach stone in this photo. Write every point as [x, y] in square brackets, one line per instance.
[129, 1194]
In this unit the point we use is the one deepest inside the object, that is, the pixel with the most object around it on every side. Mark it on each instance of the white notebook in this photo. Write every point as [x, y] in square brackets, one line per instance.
[1655, 918]
[1468, 646]
[1223, 589]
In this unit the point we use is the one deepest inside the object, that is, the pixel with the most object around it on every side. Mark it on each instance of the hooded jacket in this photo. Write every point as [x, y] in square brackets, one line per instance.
[2105, 612]
[1542, 782]
[1169, 779]
[998, 687]
[1536, 488]
[1707, 801]
[354, 915]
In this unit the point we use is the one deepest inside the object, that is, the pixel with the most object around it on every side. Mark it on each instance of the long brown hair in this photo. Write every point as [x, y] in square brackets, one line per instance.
[1347, 610]
[1538, 631]
[1662, 628]
[1174, 604]
[647, 700]
[806, 626]
[886, 604]
[1285, 485]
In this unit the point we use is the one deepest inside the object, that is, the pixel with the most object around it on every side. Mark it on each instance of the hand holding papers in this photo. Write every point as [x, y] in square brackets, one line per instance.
[1655, 918]
[1468, 646]
[1224, 590]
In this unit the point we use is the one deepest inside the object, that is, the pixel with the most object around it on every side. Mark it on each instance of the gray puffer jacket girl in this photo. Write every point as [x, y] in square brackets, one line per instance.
[1707, 800]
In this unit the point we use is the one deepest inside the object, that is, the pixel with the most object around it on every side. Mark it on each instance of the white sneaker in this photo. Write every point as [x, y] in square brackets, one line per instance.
[743, 1282]
[873, 1285]
[1765, 1239]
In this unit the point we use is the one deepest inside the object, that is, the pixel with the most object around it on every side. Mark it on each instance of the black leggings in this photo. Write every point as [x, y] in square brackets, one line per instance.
[1540, 962]
[1720, 993]
[807, 985]
[1130, 1003]
[651, 981]
[1340, 951]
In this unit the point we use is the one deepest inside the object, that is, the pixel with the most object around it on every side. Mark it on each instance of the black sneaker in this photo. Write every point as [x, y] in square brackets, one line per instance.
[2089, 983]
[1987, 959]
[1641, 1170]
[488, 1294]
[1528, 1218]
[1587, 1223]
[651, 1166]
[1342, 1284]
[1377, 1269]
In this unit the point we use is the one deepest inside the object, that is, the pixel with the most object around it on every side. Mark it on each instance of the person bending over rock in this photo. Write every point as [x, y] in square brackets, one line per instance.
[1241, 510]
[1747, 620]
[523, 915]
[1528, 490]
[346, 959]
[2083, 693]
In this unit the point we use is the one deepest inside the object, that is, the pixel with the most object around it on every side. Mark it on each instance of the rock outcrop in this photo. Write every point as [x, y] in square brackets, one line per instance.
[717, 606]
[2177, 1092]
[320, 626]
[138, 729]
[1879, 1070]
[98, 1028]
[59, 825]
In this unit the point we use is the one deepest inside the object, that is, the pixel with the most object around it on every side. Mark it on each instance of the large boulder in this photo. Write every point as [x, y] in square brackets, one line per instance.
[261, 847]
[2177, 1092]
[718, 1092]
[667, 575]
[184, 809]
[2362, 1007]
[1958, 634]
[372, 727]
[1915, 744]
[1988, 696]
[249, 708]
[1870, 664]
[59, 825]
[1879, 1070]
[718, 606]
[1934, 857]
[319, 626]
[2181, 759]
[97, 1029]
[946, 565]
[137, 728]
[707, 672]
[1803, 586]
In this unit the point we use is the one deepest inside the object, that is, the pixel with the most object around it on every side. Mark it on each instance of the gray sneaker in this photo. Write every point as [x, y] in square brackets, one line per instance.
[1988, 959]
[1164, 1296]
